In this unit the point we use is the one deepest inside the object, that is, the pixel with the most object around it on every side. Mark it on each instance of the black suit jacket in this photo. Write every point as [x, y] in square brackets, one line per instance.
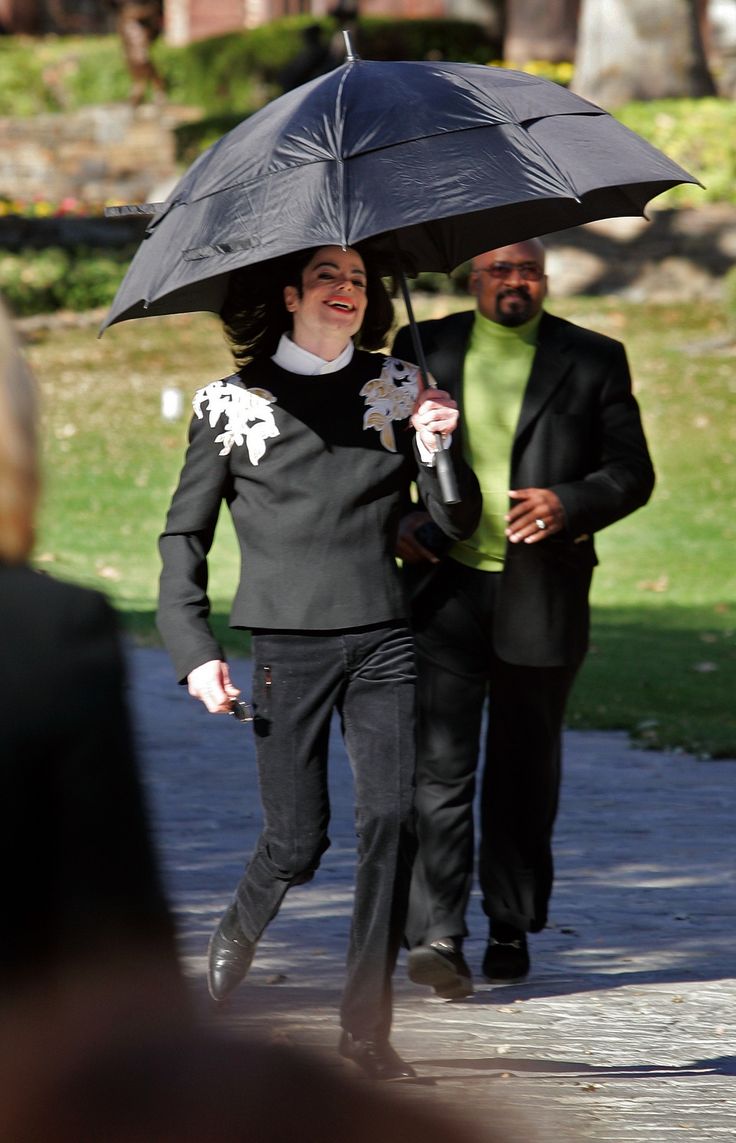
[580, 434]
[79, 876]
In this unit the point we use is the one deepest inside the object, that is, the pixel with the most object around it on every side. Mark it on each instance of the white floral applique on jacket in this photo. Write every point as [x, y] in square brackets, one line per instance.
[248, 416]
[390, 397]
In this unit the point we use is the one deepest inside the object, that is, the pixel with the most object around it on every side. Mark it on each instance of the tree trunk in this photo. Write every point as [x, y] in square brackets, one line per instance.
[495, 20]
[19, 17]
[540, 30]
[640, 49]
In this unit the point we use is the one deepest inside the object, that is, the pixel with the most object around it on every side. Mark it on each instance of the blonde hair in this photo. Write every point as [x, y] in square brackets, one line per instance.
[19, 474]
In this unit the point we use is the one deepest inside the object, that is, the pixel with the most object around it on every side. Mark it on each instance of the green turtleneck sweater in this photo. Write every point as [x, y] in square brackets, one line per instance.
[497, 367]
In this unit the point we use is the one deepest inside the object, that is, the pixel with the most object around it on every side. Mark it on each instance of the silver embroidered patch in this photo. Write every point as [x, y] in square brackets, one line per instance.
[248, 416]
[390, 397]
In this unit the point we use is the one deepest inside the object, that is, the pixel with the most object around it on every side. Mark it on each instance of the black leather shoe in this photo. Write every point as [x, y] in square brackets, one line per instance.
[507, 956]
[229, 956]
[442, 966]
[376, 1058]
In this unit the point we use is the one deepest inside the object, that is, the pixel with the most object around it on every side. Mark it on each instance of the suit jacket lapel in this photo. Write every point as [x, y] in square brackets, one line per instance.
[448, 361]
[551, 363]
[447, 356]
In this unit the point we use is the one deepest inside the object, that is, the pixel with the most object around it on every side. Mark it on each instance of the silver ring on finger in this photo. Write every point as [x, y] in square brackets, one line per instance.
[540, 524]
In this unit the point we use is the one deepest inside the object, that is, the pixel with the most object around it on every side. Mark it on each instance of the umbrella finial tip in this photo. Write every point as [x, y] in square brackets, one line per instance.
[349, 53]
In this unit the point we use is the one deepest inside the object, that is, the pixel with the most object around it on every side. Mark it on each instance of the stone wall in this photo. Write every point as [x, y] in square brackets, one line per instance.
[96, 155]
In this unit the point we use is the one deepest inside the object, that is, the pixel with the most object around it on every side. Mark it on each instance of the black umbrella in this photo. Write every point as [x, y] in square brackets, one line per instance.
[446, 159]
[422, 165]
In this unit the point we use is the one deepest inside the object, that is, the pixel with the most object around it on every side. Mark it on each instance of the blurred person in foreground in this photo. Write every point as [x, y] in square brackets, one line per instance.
[309, 444]
[83, 907]
[552, 429]
[204, 1085]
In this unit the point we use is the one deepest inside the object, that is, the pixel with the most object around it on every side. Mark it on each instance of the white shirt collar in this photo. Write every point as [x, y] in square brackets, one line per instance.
[294, 359]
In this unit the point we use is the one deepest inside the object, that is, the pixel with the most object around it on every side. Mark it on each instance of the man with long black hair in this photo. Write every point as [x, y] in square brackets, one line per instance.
[308, 445]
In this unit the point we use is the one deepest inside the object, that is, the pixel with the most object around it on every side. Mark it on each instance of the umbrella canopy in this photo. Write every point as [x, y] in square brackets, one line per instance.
[426, 162]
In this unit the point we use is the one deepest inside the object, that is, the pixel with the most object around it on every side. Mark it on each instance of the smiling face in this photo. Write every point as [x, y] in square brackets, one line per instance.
[330, 307]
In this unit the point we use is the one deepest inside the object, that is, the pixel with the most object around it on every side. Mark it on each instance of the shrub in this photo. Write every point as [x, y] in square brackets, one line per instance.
[698, 134]
[215, 74]
[78, 278]
[230, 74]
[93, 278]
[60, 73]
[29, 280]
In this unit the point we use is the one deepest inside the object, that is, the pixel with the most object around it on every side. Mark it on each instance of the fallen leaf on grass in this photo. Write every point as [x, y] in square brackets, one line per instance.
[106, 571]
[662, 583]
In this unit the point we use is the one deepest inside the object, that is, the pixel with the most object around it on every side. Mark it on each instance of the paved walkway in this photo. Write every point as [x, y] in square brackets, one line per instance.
[626, 1028]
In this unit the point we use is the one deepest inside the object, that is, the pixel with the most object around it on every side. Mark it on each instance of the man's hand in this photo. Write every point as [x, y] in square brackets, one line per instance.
[537, 515]
[434, 412]
[408, 547]
[211, 684]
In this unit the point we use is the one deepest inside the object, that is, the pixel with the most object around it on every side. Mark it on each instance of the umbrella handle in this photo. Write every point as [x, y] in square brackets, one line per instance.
[446, 474]
[443, 461]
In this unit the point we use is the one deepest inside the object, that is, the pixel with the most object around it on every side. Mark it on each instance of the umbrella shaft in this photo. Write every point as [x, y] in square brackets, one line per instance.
[445, 471]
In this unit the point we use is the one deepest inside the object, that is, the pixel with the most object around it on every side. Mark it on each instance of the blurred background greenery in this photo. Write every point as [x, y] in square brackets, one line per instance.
[664, 606]
[228, 77]
[663, 655]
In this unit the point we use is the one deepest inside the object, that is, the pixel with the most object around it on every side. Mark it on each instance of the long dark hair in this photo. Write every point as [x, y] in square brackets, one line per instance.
[254, 314]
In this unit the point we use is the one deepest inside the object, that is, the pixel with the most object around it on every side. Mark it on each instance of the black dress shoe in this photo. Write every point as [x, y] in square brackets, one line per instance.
[442, 966]
[507, 956]
[229, 956]
[376, 1058]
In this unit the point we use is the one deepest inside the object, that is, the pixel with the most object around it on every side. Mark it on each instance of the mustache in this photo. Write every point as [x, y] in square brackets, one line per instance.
[515, 292]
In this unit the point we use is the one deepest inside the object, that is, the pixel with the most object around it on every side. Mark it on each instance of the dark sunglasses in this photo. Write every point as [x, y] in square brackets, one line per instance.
[527, 271]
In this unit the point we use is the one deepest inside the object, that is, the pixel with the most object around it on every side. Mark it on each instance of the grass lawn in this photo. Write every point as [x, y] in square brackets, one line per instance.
[662, 661]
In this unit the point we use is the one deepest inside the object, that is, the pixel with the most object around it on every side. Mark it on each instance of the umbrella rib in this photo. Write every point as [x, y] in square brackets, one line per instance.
[550, 162]
[340, 113]
[342, 160]
[521, 123]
